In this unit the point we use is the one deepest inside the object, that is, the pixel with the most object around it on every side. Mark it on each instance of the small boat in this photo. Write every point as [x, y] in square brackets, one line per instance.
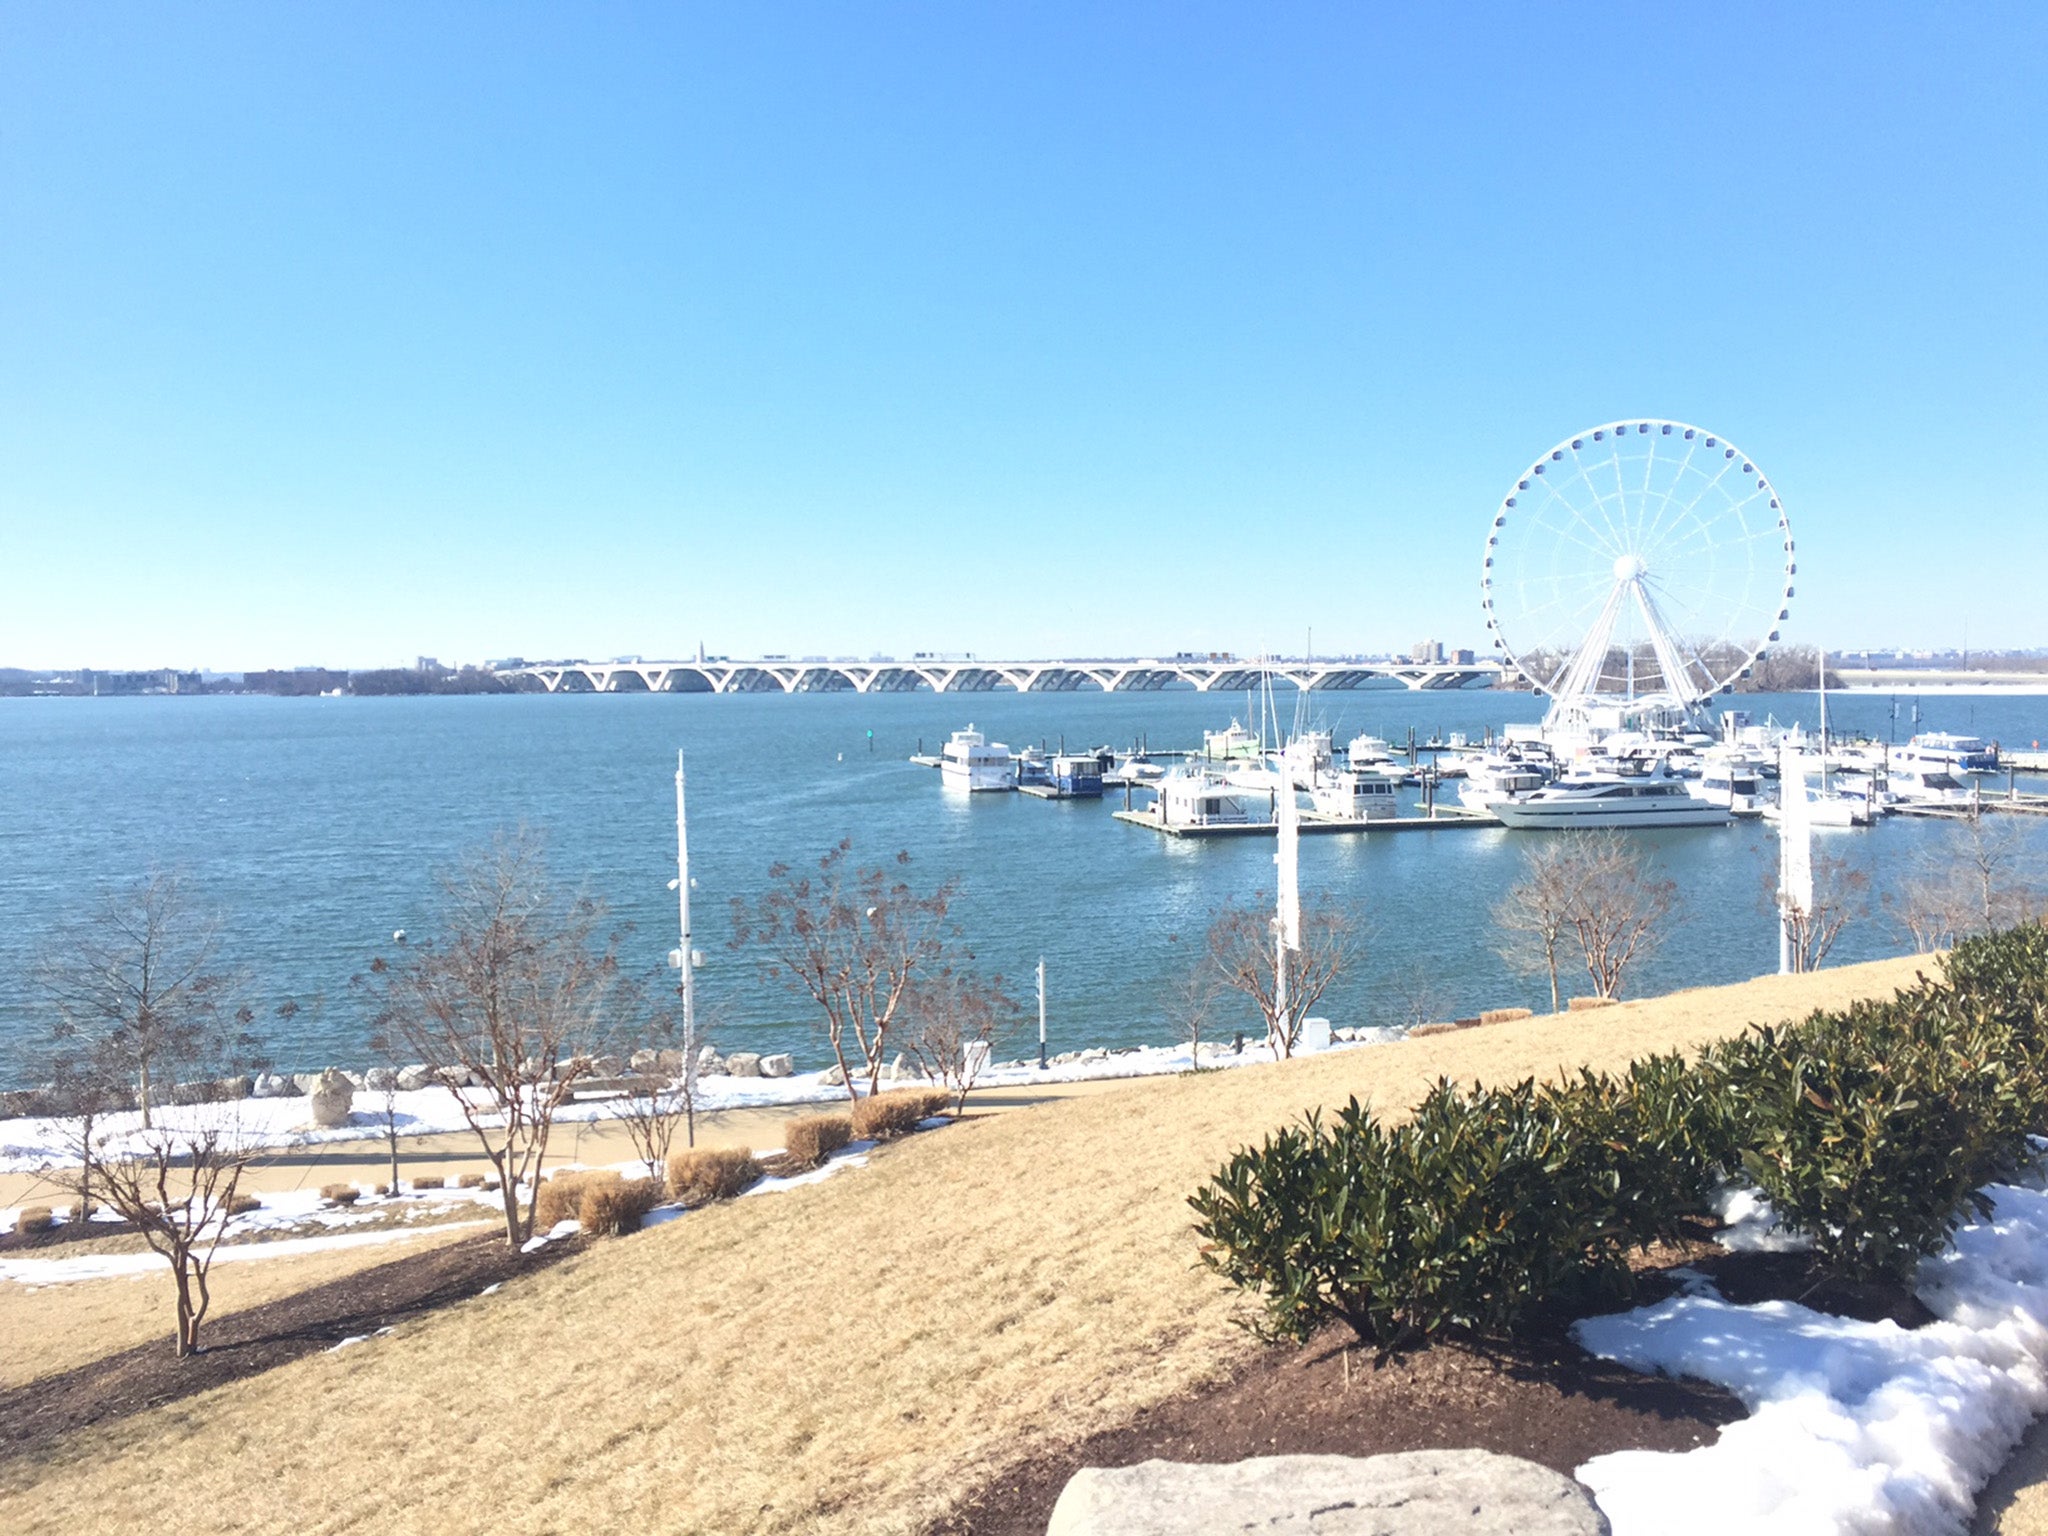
[972, 762]
[1033, 769]
[1732, 778]
[1367, 751]
[1231, 745]
[1594, 800]
[1077, 775]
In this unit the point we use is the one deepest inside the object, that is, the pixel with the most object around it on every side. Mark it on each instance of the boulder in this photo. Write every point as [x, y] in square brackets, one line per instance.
[380, 1080]
[413, 1078]
[606, 1066]
[707, 1059]
[274, 1085]
[1412, 1493]
[305, 1081]
[833, 1077]
[670, 1063]
[329, 1098]
[743, 1064]
[644, 1062]
[778, 1065]
[355, 1079]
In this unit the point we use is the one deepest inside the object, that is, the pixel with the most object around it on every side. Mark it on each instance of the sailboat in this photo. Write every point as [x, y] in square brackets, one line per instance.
[1825, 806]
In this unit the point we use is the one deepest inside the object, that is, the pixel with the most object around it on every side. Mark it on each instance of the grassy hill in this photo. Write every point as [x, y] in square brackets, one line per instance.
[843, 1357]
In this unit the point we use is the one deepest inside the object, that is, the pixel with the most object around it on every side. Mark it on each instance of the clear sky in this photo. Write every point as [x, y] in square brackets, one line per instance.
[339, 334]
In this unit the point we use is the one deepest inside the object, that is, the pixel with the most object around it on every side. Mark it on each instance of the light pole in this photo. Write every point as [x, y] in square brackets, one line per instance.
[685, 958]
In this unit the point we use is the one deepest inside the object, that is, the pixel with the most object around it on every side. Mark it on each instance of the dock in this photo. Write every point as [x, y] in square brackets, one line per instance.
[1313, 824]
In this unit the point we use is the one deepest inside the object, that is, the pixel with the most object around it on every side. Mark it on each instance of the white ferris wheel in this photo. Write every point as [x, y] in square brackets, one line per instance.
[1644, 563]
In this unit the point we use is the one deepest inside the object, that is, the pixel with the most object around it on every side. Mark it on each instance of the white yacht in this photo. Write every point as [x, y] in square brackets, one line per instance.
[1194, 798]
[1357, 794]
[1306, 757]
[1612, 800]
[1501, 776]
[1734, 779]
[1368, 751]
[1958, 754]
[1911, 781]
[972, 762]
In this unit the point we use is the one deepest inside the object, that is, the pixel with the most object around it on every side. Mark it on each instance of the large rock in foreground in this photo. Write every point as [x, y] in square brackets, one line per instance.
[1413, 1493]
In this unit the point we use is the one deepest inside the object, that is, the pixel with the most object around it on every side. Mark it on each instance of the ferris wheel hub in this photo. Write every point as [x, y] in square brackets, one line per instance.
[1630, 568]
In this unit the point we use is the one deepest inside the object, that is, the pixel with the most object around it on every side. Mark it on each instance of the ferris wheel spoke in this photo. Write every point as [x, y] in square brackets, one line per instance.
[1677, 480]
[1584, 476]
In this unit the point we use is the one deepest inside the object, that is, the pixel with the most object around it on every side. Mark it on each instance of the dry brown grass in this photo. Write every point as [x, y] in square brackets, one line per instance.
[49, 1329]
[35, 1218]
[1505, 1015]
[810, 1139]
[470, 1181]
[708, 1174]
[1021, 1275]
[340, 1194]
[430, 1181]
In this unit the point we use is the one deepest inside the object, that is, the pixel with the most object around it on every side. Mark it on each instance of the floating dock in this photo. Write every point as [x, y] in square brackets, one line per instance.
[1313, 824]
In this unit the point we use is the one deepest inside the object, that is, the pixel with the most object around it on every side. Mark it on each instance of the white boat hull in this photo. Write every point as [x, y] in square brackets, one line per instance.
[1565, 815]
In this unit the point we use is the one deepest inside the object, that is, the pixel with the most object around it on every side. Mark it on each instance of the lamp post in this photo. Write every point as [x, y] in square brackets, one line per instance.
[1041, 1013]
[685, 958]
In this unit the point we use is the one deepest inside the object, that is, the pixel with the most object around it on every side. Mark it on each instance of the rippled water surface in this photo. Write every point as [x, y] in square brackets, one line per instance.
[315, 827]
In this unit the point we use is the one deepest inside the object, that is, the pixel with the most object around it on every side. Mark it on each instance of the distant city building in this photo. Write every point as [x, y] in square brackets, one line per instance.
[1427, 653]
[1461, 658]
[428, 664]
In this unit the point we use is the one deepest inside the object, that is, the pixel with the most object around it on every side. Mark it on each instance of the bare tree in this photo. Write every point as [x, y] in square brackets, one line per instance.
[1984, 879]
[175, 1185]
[508, 1000]
[1839, 898]
[1242, 957]
[1191, 1001]
[853, 941]
[1536, 915]
[955, 1019]
[139, 985]
[1620, 909]
[665, 1102]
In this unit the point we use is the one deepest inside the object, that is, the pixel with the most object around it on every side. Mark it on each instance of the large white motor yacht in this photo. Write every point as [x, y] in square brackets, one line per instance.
[1945, 749]
[1498, 776]
[972, 762]
[1357, 794]
[1612, 800]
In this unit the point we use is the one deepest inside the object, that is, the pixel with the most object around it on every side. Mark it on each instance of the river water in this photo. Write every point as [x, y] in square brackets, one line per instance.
[315, 827]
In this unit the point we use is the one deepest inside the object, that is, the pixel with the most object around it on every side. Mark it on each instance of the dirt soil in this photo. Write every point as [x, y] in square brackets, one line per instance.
[35, 1416]
[1542, 1398]
[1546, 1400]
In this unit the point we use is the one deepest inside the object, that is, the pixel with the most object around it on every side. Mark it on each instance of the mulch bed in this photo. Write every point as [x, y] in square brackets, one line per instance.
[1540, 1397]
[35, 1416]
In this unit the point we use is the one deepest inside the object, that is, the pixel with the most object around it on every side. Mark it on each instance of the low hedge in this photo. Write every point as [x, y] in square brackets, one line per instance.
[810, 1139]
[708, 1174]
[1873, 1131]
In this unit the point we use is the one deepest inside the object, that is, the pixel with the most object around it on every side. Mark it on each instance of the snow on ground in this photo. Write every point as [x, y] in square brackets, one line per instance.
[109, 1266]
[1854, 1427]
[36, 1144]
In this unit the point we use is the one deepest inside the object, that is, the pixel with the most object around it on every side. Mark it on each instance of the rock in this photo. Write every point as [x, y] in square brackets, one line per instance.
[778, 1065]
[1315, 1036]
[380, 1080]
[456, 1077]
[644, 1062]
[194, 1093]
[274, 1085]
[234, 1087]
[355, 1079]
[329, 1098]
[832, 1077]
[743, 1064]
[305, 1081]
[413, 1078]
[708, 1060]
[670, 1063]
[1412, 1493]
[606, 1066]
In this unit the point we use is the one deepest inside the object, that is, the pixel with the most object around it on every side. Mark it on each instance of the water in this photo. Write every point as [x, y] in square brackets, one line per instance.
[315, 827]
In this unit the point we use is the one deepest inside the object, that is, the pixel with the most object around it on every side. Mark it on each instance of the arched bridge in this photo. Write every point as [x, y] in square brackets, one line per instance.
[778, 674]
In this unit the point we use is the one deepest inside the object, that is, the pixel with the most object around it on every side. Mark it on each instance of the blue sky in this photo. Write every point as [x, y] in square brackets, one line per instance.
[340, 334]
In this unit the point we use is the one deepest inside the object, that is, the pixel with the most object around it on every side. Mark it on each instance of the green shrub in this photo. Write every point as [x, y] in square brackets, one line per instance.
[1872, 1131]
[615, 1206]
[810, 1139]
[1479, 1209]
[711, 1173]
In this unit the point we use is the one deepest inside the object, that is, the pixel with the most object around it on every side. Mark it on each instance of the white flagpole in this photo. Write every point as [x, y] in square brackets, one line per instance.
[684, 958]
[1795, 853]
[1287, 921]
